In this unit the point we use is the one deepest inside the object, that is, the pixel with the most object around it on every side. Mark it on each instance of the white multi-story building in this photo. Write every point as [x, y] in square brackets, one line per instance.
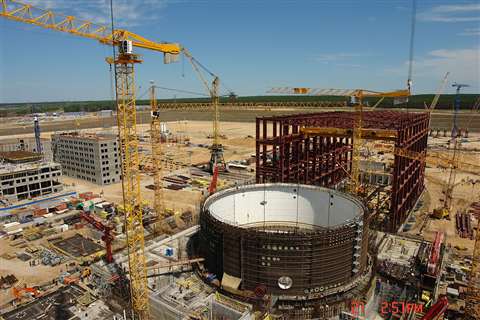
[91, 157]
[24, 176]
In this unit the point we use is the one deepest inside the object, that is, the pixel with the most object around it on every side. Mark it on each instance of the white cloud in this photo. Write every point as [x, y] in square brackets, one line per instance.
[350, 65]
[341, 59]
[452, 13]
[463, 65]
[340, 56]
[470, 32]
[126, 12]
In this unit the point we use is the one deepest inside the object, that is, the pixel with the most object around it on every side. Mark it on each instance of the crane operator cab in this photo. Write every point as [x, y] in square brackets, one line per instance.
[126, 47]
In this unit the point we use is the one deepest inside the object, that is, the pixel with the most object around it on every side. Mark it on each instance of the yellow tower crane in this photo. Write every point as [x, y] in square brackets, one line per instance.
[124, 62]
[358, 96]
[157, 156]
[216, 154]
[437, 95]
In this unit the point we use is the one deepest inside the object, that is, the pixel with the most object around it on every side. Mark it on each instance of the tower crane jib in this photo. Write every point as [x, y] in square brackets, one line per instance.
[126, 118]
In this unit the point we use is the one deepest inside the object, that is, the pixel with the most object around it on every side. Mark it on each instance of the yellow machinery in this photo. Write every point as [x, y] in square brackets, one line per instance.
[441, 213]
[448, 189]
[216, 157]
[124, 62]
[156, 142]
[358, 132]
[439, 92]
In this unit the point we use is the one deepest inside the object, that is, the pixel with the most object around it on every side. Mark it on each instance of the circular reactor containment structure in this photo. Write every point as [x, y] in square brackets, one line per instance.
[304, 244]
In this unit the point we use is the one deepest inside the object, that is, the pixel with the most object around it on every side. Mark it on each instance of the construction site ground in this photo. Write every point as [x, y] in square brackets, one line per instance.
[39, 274]
[465, 192]
[239, 143]
[440, 119]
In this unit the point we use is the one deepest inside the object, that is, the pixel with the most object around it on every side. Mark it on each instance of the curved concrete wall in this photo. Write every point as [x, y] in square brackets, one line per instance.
[276, 203]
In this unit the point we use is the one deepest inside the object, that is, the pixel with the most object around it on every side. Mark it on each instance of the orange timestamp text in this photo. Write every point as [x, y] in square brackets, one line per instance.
[357, 308]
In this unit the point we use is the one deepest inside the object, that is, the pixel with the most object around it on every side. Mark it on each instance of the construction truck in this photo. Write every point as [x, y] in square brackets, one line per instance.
[441, 213]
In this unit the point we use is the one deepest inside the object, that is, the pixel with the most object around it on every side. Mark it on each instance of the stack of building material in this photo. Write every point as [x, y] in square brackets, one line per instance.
[50, 258]
[464, 225]
[7, 281]
[87, 195]
[38, 212]
[475, 209]
[177, 182]
[61, 207]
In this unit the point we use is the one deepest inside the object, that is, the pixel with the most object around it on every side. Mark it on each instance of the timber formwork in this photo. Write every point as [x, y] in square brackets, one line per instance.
[285, 154]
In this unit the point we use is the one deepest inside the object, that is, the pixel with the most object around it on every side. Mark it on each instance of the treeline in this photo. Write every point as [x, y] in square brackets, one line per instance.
[415, 102]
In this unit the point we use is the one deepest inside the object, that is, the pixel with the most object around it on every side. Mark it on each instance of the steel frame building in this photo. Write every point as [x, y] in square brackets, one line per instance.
[284, 154]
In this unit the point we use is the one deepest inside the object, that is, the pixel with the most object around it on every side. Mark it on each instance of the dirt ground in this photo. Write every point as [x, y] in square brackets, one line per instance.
[240, 144]
[464, 193]
[26, 274]
[440, 119]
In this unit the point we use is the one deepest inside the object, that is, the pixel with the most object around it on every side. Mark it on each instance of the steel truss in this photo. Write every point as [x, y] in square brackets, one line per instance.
[287, 152]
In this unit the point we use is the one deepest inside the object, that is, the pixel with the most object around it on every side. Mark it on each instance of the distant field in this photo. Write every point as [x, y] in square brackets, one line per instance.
[415, 102]
[441, 120]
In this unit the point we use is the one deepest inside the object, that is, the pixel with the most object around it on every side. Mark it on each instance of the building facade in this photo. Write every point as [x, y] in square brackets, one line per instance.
[29, 180]
[91, 157]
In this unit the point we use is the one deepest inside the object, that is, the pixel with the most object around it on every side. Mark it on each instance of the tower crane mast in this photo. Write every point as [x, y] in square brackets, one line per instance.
[216, 153]
[124, 62]
[358, 95]
[157, 153]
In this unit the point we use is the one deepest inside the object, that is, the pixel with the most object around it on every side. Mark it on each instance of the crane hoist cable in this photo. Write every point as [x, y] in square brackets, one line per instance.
[182, 91]
[188, 92]
[199, 66]
[412, 45]
[124, 61]
[216, 152]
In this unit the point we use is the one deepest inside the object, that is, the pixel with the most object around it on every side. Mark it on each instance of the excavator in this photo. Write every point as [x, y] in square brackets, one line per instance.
[21, 293]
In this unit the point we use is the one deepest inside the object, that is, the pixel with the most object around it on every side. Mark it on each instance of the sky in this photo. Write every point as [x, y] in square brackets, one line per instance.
[252, 46]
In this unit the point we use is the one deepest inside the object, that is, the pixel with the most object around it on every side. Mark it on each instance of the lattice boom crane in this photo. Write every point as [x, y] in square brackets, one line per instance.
[126, 119]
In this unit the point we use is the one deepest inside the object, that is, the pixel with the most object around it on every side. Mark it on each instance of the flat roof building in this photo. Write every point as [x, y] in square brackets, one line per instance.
[29, 180]
[27, 144]
[91, 157]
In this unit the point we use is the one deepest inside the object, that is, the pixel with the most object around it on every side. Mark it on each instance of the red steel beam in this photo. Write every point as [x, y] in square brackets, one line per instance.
[284, 154]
